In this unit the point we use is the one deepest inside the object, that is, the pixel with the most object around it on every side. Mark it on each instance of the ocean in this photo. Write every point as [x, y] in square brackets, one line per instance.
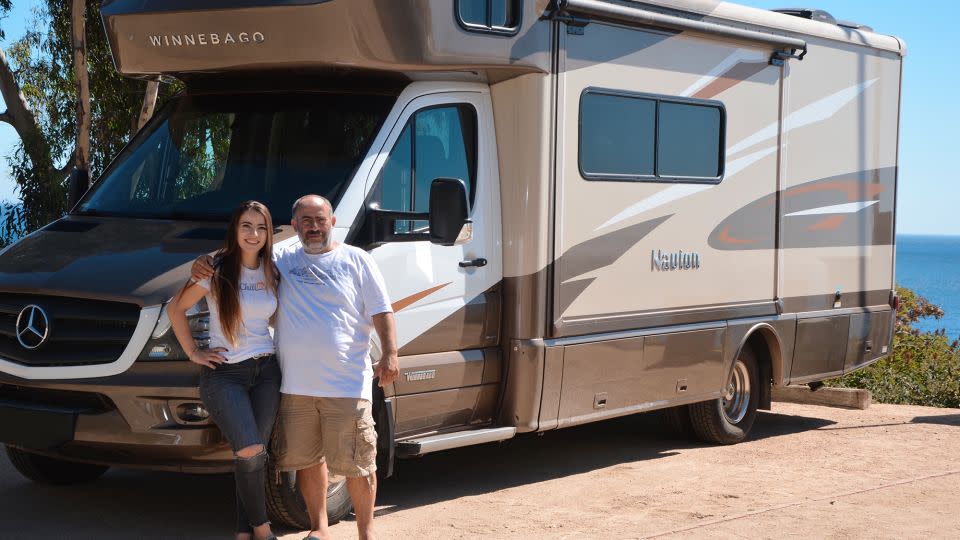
[930, 266]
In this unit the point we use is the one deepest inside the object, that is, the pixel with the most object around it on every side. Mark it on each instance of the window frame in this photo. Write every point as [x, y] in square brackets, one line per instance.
[656, 177]
[489, 28]
[473, 165]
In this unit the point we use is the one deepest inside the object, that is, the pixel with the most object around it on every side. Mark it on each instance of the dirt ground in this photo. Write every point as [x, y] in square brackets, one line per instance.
[808, 472]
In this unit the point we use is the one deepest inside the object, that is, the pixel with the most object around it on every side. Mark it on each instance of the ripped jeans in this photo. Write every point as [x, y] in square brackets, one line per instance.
[243, 399]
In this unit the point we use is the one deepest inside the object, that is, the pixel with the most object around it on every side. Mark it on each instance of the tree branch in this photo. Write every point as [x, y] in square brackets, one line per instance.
[19, 115]
[149, 102]
[78, 20]
[68, 165]
[6, 118]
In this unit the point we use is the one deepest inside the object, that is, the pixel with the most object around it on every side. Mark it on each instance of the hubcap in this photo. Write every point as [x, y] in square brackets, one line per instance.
[736, 401]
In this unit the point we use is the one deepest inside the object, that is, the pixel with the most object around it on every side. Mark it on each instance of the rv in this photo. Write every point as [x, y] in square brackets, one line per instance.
[583, 209]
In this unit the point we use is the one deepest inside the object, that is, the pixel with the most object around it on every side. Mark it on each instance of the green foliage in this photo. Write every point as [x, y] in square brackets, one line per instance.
[924, 368]
[4, 9]
[44, 62]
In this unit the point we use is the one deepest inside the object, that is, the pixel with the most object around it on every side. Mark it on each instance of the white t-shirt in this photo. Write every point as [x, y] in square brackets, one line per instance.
[257, 305]
[324, 322]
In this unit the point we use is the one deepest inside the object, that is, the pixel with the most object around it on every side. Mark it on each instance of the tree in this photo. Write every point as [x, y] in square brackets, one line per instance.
[62, 121]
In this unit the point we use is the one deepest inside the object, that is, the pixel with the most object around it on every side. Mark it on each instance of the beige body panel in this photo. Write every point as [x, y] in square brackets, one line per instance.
[523, 113]
[845, 162]
[607, 219]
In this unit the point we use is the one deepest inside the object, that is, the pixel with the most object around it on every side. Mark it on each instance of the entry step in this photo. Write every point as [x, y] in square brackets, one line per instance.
[457, 439]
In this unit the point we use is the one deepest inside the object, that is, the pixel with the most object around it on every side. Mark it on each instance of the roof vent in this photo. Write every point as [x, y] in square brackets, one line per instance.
[806, 13]
[854, 26]
[822, 16]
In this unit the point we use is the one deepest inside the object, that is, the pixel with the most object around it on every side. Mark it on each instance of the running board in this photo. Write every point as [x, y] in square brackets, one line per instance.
[457, 439]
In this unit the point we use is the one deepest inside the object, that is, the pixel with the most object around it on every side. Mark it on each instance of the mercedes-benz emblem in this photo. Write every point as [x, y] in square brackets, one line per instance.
[33, 326]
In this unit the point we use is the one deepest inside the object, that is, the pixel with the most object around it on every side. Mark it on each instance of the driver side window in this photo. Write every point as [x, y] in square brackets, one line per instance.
[438, 142]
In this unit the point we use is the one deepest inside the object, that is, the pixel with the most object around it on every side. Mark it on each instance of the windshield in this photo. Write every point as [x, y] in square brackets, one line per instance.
[204, 155]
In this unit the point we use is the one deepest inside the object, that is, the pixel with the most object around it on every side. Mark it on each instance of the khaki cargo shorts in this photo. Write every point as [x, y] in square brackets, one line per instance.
[340, 431]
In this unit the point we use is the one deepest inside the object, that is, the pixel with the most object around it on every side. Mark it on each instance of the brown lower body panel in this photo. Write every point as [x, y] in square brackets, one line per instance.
[571, 380]
[135, 424]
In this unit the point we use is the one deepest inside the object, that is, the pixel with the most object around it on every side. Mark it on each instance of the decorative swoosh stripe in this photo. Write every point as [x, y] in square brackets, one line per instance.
[723, 68]
[848, 208]
[737, 74]
[406, 302]
[818, 111]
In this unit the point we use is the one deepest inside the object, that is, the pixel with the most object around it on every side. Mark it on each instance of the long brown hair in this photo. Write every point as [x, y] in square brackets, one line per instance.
[225, 284]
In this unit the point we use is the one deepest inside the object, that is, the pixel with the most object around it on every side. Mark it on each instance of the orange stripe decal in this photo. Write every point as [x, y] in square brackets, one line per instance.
[827, 224]
[727, 239]
[405, 302]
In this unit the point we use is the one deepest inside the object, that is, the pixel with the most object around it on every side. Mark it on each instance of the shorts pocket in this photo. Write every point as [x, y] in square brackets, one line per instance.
[365, 445]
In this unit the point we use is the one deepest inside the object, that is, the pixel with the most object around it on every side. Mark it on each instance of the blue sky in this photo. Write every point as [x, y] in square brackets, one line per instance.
[927, 193]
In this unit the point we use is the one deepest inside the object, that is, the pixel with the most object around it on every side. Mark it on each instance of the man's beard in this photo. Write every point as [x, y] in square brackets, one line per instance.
[318, 243]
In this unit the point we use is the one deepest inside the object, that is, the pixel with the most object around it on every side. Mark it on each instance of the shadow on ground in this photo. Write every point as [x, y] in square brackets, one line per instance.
[140, 504]
[556, 454]
[946, 420]
[123, 504]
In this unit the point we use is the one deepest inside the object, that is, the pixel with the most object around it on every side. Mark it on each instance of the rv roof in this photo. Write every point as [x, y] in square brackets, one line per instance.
[817, 24]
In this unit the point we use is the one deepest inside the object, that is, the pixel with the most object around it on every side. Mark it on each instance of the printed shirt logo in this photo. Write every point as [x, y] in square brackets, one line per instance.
[258, 286]
[313, 276]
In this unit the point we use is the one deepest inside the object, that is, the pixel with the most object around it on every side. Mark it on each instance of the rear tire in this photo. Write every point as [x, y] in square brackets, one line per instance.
[285, 505]
[48, 470]
[727, 420]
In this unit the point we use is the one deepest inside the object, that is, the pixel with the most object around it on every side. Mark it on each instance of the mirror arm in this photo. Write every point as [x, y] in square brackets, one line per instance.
[382, 223]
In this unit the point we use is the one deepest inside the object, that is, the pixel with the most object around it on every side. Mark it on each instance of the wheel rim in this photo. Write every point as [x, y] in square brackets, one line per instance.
[335, 485]
[736, 400]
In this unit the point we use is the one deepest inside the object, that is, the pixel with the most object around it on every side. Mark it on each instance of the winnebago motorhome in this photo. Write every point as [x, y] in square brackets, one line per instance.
[673, 204]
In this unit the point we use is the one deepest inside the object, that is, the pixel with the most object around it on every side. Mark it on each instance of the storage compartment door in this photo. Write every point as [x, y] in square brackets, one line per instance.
[821, 348]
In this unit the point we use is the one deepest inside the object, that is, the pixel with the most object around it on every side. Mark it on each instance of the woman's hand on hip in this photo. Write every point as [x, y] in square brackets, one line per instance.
[210, 358]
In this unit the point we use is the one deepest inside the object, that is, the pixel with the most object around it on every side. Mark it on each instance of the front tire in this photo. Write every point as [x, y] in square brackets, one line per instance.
[52, 471]
[285, 505]
[727, 420]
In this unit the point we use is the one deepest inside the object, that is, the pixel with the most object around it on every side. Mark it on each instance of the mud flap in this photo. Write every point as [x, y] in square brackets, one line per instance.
[766, 386]
[384, 420]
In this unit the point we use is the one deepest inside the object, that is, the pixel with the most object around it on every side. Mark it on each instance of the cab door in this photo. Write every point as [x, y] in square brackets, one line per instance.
[446, 298]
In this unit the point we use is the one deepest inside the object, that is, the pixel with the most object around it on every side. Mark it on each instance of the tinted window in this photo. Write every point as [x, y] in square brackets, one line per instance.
[396, 178]
[688, 141]
[617, 135]
[642, 137]
[496, 16]
[436, 143]
[473, 11]
[204, 155]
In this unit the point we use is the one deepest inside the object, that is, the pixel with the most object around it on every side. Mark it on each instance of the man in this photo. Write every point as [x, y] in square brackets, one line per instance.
[329, 295]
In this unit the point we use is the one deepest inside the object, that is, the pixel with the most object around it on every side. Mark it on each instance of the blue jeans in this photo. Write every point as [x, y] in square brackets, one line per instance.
[243, 399]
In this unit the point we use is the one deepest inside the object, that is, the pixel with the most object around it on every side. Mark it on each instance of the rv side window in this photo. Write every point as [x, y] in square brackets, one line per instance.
[438, 142]
[642, 137]
[489, 16]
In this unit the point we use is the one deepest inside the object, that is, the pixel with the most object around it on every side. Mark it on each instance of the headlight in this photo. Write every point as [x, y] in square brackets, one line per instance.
[163, 344]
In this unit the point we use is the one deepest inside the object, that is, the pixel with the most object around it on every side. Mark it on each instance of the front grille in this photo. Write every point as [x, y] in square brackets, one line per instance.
[81, 332]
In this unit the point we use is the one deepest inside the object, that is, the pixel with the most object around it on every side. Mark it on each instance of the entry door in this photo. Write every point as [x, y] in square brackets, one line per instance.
[446, 298]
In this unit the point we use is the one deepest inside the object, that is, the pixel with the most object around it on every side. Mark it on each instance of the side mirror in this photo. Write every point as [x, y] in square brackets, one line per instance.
[77, 185]
[448, 210]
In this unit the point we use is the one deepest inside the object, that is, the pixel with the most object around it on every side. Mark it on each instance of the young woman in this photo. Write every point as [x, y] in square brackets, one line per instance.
[240, 377]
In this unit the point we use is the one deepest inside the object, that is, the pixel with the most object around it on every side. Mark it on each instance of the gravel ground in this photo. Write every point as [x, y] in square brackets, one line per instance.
[807, 472]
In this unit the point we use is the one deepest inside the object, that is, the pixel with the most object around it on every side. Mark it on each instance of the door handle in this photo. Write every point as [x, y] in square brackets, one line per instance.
[475, 263]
